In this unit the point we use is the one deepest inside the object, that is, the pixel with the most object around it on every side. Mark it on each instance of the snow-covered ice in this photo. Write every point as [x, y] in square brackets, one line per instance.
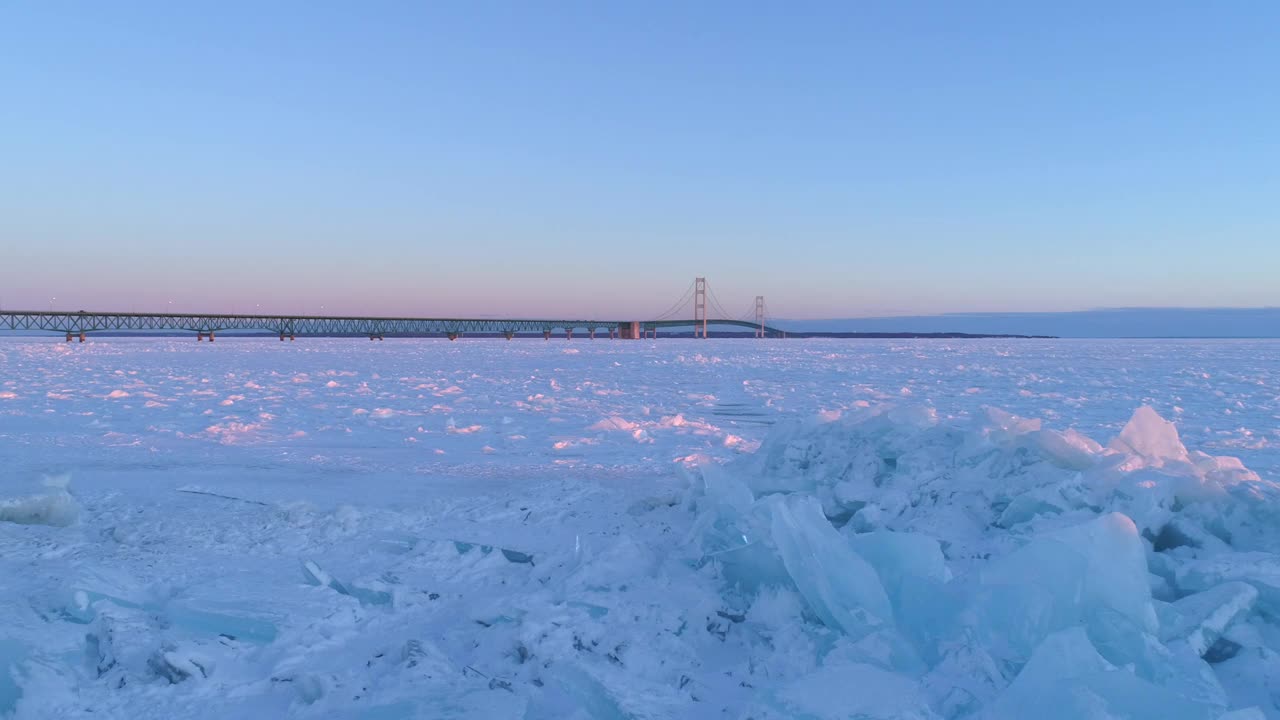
[673, 529]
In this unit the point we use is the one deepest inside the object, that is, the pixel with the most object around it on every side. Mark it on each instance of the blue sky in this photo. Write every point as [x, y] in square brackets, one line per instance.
[843, 159]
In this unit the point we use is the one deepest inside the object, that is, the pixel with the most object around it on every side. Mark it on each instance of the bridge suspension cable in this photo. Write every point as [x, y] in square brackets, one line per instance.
[679, 305]
[715, 303]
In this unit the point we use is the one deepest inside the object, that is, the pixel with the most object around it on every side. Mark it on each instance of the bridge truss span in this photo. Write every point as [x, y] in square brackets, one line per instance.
[78, 324]
[700, 294]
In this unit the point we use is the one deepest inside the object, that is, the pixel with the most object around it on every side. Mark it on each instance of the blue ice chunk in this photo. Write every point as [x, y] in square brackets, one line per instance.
[1202, 618]
[568, 691]
[316, 575]
[595, 612]
[1011, 620]
[843, 691]
[238, 627]
[927, 612]
[752, 566]
[465, 547]
[403, 710]
[12, 655]
[1029, 505]
[396, 543]
[1062, 580]
[733, 530]
[516, 556]
[1067, 679]
[1249, 713]
[722, 489]
[77, 605]
[1176, 667]
[726, 509]
[82, 608]
[840, 587]
[897, 556]
[1259, 569]
[370, 596]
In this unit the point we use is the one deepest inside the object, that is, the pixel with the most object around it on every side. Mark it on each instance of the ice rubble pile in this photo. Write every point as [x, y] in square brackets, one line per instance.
[1004, 570]
[884, 566]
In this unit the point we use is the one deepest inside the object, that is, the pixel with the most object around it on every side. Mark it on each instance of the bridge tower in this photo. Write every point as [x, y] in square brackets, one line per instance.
[700, 307]
[760, 316]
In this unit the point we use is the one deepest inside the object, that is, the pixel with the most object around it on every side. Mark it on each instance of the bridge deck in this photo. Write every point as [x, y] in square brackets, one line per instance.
[85, 322]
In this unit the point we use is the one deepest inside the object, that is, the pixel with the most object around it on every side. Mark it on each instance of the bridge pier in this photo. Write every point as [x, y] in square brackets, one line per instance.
[546, 334]
[591, 333]
[68, 337]
[210, 336]
[81, 336]
[508, 334]
[281, 337]
[452, 336]
[199, 337]
[568, 333]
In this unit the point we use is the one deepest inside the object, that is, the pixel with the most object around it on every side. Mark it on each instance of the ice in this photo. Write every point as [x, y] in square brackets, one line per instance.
[840, 587]
[1150, 437]
[12, 655]
[55, 507]
[179, 664]
[1067, 679]
[1068, 449]
[734, 530]
[1202, 618]
[964, 678]
[1252, 678]
[905, 562]
[1259, 569]
[575, 695]
[1087, 574]
[315, 575]
[121, 644]
[1251, 713]
[1064, 579]
[514, 556]
[1034, 504]
[808, 529]
[845, 691]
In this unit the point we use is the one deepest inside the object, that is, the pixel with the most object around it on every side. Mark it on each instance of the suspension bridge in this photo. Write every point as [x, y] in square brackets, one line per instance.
[698, 308]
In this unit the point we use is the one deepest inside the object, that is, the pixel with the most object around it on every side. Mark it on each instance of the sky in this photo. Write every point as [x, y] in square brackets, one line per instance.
[843, 159]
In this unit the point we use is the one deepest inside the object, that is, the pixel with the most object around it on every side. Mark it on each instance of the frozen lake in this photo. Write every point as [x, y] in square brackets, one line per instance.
[262, 529]
[352, 406]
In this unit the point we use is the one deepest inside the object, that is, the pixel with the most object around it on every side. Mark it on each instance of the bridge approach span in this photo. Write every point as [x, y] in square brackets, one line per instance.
[78, 324]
